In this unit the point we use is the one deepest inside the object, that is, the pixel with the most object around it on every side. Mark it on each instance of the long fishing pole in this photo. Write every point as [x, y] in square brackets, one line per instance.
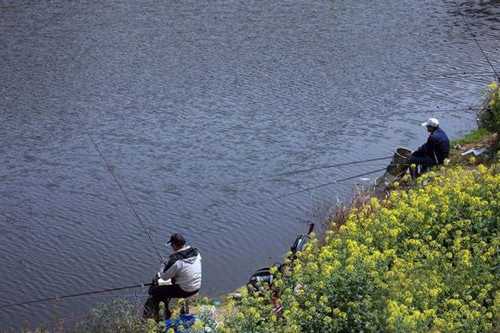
[293, 172]
[330, 183]
[344, 179]
[86, 293]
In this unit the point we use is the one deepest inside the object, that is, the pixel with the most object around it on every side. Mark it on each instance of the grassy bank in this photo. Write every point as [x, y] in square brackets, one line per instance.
[421, 260]
[424, 258]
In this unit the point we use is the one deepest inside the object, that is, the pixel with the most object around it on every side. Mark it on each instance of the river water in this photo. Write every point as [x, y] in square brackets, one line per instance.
[185, 99]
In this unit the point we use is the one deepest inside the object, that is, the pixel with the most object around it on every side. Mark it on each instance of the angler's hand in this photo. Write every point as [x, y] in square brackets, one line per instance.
[155, 279]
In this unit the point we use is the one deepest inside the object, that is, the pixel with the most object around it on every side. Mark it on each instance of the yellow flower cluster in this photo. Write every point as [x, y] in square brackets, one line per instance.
[422, 260]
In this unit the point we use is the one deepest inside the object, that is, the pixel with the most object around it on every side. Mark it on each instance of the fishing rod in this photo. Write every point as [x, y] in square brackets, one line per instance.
[86, 293]
[289, 173]
[342, 180]
[330, 183]
[294, 172]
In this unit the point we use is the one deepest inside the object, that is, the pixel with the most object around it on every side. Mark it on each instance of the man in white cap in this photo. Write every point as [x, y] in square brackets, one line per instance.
[434, 151]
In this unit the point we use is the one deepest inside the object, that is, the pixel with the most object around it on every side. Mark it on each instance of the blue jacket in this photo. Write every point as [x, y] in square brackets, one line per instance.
[437, 146]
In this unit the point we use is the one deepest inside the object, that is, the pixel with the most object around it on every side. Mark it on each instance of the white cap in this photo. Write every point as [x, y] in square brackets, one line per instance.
[432, 122]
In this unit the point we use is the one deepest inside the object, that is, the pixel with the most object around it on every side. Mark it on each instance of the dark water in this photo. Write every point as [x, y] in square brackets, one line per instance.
[184, 98]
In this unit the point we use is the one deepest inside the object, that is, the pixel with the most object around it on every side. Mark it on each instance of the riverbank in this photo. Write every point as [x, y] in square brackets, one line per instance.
[421, 258]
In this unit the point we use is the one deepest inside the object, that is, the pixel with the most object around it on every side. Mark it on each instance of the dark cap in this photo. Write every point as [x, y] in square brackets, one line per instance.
[177, 239]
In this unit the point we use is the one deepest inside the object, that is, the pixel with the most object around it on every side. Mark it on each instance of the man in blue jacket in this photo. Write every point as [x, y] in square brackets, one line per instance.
[433, 152]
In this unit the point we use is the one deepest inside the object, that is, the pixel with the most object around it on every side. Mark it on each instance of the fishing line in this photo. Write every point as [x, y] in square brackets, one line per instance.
[466, 22]
[438, 110]
[330, 183]
[452, 75]
[341, 180]
[118, 183]
[290, 173]
[129, 202]
[131, 206]
[294, 172]
[86, 293]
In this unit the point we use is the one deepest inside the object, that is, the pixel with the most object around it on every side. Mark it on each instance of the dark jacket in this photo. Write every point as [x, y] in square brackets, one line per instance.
[437, 146]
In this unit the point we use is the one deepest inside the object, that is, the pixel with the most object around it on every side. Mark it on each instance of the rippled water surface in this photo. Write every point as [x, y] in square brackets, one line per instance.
[186, 99]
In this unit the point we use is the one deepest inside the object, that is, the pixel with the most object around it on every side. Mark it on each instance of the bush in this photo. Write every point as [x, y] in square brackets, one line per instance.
[422, 260]
[490, 118]
[118, 316]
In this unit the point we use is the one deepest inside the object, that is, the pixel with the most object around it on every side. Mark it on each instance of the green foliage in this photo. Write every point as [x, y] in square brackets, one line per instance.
[473, 137]
[118, 316]
[491, 118]
[422, 260]
[122, 316]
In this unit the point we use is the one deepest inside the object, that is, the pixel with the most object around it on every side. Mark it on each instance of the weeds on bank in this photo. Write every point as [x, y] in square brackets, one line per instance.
[421, 260]
[473, 137]
[490, 117]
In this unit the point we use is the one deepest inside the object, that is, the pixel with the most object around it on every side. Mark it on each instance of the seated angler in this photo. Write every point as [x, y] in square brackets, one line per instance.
[180, 277]
[433, 152]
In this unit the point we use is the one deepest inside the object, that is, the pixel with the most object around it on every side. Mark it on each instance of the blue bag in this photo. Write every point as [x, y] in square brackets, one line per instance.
[181, 324]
